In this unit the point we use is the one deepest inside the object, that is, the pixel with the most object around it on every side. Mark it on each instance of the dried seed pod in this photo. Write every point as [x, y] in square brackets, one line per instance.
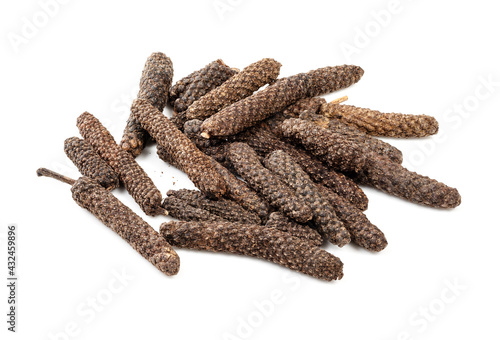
[90, 164]
[279, 221]
[311, 105]
[324, 217]
[393, 178]
[240, 86]
[135, 179]
[377, 123]
[179, 119]
[122, 220]
[278, 194]
[257, 241]
[332, 148]
[181, 210]
[197, 84]
[362, 231]
[373, 144]
[155, 81]
[192, 129]
[192, 161]
[226, 209]
[277, 97]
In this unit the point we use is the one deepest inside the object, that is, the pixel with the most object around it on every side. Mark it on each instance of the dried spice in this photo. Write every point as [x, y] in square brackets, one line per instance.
[277, 97]
[393, 178]
[90, 164]
[332, 148]
[311, 105]
[181, 210]
[278, 194]
[135, 179]
[191, 88]
[324, 217]
[155, 81]
[179, 119]
[377, 123]
[240, 86]
[373, 144]
[122, 220]
[279, 221]
[362, 231]
[226, 209]
[257, 241]
[192, 129]
[190, 159]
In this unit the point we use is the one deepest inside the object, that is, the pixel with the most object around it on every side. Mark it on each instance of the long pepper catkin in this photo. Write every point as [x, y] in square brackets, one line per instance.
[373, 144]
[155, 81]
[277, 97]
[226, 209]
[88, 194]
[377, 123]
[278, 194]
[135, 179]
[311, 105]
[362, 231]
[190, 159]
[333, 148]
[181, 210]
[89, 163]
[240, 86]
[191, 88]
[324, 217]
[257, 241]
[279, 221]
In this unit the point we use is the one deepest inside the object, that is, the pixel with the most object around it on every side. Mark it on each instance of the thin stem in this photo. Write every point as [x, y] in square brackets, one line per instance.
[52, 174]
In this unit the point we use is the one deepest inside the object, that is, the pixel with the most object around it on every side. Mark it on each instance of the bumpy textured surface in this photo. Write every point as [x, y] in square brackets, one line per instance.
[324, 217]
[332, 148]
[240, 86]
[311, 105]
[395, 179]
[226, 209]
[155, 82]
[277, 97]
[190, 159]
[382, 124]
[192, 129]
[257, 241]
[373, 144]
[179, 119]
[181, 210]
[262, 140]
[278, 194]
[362, 231]
[189, 89]
[279, 221]
[135, 179]
[90, 164]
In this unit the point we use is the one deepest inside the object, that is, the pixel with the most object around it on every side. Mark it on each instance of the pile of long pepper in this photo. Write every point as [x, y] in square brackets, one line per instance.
[277, 167]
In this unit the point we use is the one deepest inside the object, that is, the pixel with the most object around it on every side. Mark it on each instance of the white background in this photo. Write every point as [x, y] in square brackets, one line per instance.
[427, 57]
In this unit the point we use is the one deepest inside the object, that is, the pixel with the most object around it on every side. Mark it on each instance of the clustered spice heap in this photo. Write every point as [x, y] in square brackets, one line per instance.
[278, 168]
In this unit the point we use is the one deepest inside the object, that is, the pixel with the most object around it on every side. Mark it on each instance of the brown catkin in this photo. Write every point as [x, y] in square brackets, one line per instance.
[189, 89]
[257, 241]
[311, 105]
[362, 231]
[155, 81]
[192, 129]
[90, 164]
[377, 123]
[226, 209]
[279, 221]
[324, 217]
[240, 86]
[181, 210]
[179, 119]
[332, 148]
[277, 97]
[373, 144]
[247, 164]
[135, 179]
[190, 159]
[122, 220]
